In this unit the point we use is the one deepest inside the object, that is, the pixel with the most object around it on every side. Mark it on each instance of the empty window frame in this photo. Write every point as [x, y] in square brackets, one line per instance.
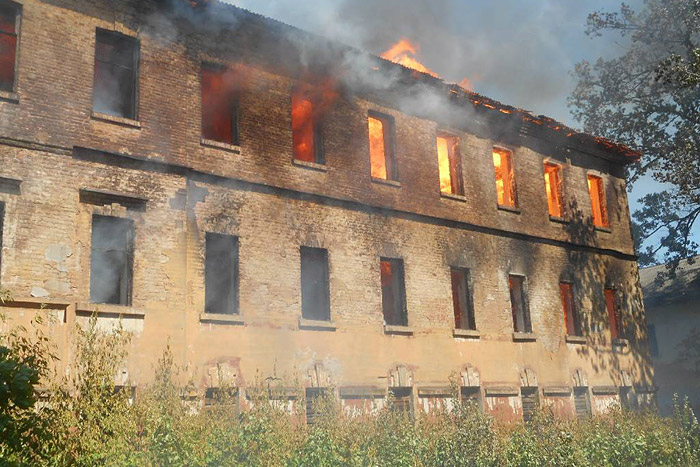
[111, 260]
[613, 309]
[519, 305]
[598, 204]
[572, 320]
[462, 299]
[221, 274]
[315, 301]
[381, 147]
[393, 292]
[314, 403]
[402, 402]
[470, 395]
[553, 186]
[307, 128]
[505, 177]
[219, 86]
[449, 164]
[581, 402]
[529, 400]
[10, 14]
[115, 87]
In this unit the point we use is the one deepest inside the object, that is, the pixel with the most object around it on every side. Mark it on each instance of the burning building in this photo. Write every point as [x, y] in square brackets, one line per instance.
[272, 203]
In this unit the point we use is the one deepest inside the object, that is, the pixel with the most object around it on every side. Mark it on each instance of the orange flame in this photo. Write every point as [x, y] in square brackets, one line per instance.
[444, 165]
[403, 53]
[377, 155]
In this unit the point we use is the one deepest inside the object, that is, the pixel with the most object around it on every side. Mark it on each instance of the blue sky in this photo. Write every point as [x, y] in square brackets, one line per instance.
[520, 52]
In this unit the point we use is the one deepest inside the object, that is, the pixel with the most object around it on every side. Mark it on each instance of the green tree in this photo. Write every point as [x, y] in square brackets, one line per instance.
[649, 99]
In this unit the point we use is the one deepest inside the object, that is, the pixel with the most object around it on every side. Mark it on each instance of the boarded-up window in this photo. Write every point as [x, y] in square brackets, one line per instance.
[462, 299]
[381, 147]
[528, 397]
[314, 404]
[220, 104]
[393, 292]
[613, 309]
[111, 260]
[581, 402]
[553, 185]
[505, 179]
[402, 400]
[471, 395]
[221, 274]
[9, 29]
[598, 204]
[572, 320]
[116, 75]
[307, 135]
[518, 303]
[449, 164]
[315, 303]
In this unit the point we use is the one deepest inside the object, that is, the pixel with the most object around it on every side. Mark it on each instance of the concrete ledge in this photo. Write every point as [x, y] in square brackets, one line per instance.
[9, 97]
[602, 229]
[221, 318]
[502, 391]
[645, 389]
[108, 309]
[575, 340]
[219, 145]
[558, 219]
[118, 120]
[461, 198]
[273, 394]
[317, 325]
[435, 391]
[310, 165]
[34, 302]
[508, 209]
[466, 333]
[392, 329]
[362, 392]
[605, 390]
[562, 391]
[524, 337]
[383, 181]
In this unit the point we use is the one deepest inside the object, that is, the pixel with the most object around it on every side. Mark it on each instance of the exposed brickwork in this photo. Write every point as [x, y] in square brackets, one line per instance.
[261, 197]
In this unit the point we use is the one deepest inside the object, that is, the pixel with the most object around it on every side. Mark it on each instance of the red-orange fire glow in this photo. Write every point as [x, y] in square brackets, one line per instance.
[303, 129]
[403, 53]
[377, 154]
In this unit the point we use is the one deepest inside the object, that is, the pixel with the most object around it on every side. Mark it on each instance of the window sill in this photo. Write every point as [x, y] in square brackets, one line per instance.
[221, 318]
[383, 181]
[502, 391]
[219, 145]
[310, 165]
[9, 97]
[128, 122]
[109, 309]
[524, 337]
[558, 220]
[556, 391]
[620, 342]
[461, 198]
[316, 325]
[602, 229]
[394, 329]
[575, 340]
[467, 333]
[511, 209]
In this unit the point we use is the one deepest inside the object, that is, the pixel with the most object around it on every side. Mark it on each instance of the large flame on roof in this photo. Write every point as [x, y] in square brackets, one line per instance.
[403, 53]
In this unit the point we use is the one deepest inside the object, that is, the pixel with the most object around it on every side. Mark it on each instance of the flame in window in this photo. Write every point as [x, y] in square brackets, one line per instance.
[377, 149]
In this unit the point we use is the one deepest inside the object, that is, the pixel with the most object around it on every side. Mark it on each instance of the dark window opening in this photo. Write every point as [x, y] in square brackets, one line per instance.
[221, 274]
[470, 395]
[9, 32]
[221, 397]
[528, 397]
[315, 404]
[307, 128]
[220, 89]
[402, 403]
[572, 320]
[315, 296]
[651, 331]
[393, 292]
[111, 261]
[449, 164]
[381, 147]
[613, 309]
[462, 299]
[116, 74]
[518, 303]
[581, 403]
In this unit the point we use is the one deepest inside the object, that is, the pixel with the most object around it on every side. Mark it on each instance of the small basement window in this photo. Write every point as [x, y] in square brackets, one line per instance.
[116, 74]
[307, 135]
[553, 185]
[529, 400]
[462, 299]
[381, 147]
[572, 320]
[598, 204]
[219, 104]
[9, 32]
[518, 303]
[612, 307]
[449, 164]
[581, 402]
[315, 300]
[393, 292]
[111, 260]
[505, 179]
[402, 403]
[315, 404]
[221, 274]
[470, 395]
